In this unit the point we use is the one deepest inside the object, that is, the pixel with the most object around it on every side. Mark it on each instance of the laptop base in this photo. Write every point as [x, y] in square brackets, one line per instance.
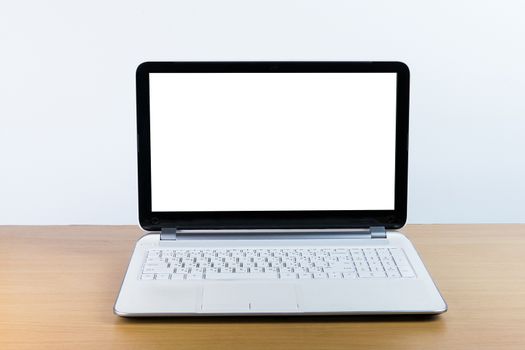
[417, 295]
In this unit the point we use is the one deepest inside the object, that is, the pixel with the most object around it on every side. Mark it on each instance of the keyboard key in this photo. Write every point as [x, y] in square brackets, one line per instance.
[407, 272]
[288, 276]
[349, 275]
[393, 273]
[305, 276]
[335, 275]
[154, 253]
[158, 269]
[162, 276]
[378, 274]
[194, 276]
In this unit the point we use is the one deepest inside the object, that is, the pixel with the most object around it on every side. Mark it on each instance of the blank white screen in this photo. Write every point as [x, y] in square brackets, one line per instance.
[272, 141]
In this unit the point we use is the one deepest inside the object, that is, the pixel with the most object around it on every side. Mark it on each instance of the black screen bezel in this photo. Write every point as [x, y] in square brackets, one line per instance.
[154, 221]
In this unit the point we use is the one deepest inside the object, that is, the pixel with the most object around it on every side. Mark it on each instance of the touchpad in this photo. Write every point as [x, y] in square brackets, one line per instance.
[244, 297]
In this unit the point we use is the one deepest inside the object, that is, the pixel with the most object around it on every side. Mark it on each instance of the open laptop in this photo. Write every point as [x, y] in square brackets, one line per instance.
[274, 188]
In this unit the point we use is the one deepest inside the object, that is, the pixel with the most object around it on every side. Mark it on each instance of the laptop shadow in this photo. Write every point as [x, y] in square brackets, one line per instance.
[285, 319]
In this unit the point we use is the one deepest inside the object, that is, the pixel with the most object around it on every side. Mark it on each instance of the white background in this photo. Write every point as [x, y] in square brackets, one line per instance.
[287, 141]
[67, 95]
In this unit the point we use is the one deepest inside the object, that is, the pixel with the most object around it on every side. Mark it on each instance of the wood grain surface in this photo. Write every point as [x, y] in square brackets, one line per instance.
[58, 285]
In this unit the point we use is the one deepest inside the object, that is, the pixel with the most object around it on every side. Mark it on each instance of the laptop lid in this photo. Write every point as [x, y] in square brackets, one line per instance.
[272, 144]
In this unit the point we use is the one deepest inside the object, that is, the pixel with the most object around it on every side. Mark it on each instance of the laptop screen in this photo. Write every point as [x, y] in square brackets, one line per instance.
[272, 141]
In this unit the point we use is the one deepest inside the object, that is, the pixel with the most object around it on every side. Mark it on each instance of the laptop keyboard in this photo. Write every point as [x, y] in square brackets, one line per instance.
[284, 264]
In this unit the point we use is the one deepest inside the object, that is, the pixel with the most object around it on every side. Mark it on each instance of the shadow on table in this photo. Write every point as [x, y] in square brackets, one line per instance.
[284, 319]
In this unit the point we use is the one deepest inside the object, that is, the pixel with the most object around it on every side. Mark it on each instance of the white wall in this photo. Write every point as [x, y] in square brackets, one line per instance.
[67, 134]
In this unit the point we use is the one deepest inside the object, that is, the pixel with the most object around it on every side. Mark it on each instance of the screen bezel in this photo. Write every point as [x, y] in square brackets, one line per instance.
[154, 221]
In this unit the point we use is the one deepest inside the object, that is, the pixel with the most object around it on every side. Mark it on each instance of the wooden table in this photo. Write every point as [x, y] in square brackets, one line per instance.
[58, 285]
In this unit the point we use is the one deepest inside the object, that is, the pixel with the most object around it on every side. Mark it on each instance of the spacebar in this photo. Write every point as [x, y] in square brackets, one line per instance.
[241, 276]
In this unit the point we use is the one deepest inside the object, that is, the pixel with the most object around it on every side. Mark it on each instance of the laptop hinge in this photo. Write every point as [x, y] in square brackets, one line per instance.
[377, 232]
[168, 234]
[171, 234]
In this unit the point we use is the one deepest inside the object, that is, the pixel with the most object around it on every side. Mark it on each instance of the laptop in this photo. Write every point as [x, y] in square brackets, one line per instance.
[273, 188]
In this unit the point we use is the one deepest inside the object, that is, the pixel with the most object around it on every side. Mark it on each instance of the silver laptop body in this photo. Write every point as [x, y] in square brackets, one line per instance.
[273, 188]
